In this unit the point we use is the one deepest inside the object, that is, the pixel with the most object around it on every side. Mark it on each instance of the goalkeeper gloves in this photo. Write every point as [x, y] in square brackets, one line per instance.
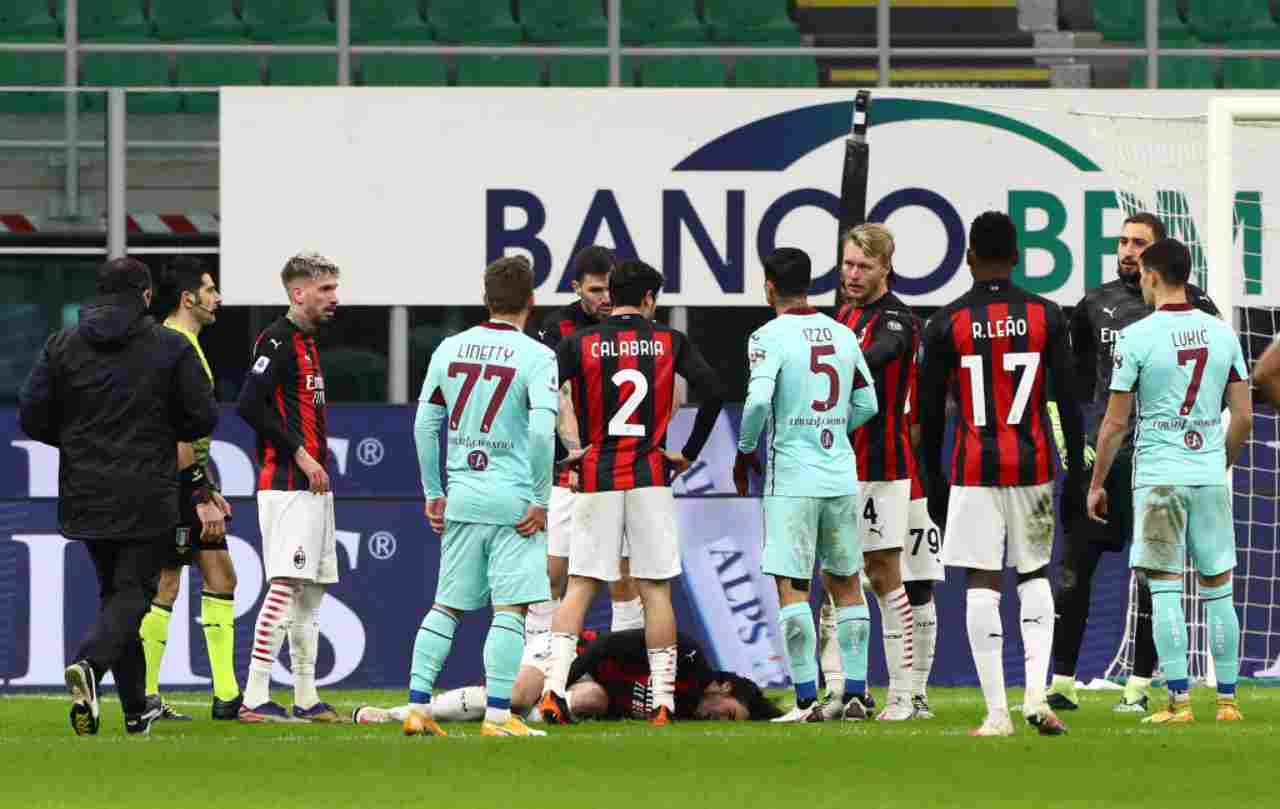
[1061, 440]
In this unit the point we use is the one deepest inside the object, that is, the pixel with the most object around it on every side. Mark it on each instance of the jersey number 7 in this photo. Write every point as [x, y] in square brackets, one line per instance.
[470, 372]
[1200, 356]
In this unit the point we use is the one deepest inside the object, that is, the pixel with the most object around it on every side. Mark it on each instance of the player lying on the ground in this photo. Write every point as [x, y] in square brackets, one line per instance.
[610, 680]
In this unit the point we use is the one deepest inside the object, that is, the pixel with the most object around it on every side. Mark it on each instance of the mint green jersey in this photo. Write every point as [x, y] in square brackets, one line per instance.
[490, 380]
[811, 385]
[1178, 362]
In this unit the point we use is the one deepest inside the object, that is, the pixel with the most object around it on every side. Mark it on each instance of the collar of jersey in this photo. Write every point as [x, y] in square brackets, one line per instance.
[498, 325]
[801, 310]
[1176, 307]
[173, 324]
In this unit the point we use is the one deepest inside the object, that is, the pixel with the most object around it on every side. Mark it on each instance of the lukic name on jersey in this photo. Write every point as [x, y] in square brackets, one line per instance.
[1193, 337]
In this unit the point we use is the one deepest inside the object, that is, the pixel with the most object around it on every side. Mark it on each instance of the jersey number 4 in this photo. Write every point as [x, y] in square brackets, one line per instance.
[470, 372]
[1028, 361]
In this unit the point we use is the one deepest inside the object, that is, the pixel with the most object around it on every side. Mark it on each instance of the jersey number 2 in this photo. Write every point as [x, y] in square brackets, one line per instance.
[470, 372]
[620, 423]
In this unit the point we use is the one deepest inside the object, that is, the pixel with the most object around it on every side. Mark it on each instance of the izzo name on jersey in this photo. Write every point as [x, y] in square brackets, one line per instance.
[818, 335]
[315, 384]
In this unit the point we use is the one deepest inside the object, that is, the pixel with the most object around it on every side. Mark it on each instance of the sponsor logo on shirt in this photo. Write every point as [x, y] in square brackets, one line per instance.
[260, 366]
[477, 460]
[1193, 439]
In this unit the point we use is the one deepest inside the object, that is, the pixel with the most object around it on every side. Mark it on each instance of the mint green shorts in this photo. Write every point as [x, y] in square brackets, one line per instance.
[483, 564]
[802, 531]
[1170, 521]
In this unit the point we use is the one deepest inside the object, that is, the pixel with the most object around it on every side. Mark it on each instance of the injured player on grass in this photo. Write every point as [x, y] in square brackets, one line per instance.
[610, 680]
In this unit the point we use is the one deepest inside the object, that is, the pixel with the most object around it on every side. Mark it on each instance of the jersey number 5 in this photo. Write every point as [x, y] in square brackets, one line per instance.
[470, 372]
[816, 353]
[1028, 361]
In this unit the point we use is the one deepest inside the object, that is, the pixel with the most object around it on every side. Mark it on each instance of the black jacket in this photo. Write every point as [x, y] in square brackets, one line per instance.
[115, 394]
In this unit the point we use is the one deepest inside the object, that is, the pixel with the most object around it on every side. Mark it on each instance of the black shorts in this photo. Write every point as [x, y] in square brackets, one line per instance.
[186, 542]
[1116, 533]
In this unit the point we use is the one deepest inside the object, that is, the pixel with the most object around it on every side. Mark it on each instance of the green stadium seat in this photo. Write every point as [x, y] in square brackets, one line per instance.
[215, 70]
[1176, 73]
[304, 70]
[384, 22]
[196, 20]
[28, 21]
[499, 71]
[403, 71]
[128, 70]
[645, 21]
[1125, 20]
[113, 21]
[1251, 73]
[289, 21]
[36, 70]
[474, 22]
[1218, 21]
[683, 71]
[587, 71]
[575, 21]
[775, 71]
[750, 21]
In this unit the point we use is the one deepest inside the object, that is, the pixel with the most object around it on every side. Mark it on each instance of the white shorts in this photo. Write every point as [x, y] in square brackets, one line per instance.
[987, 525]
[921, 556]
[605, 523]
[560, 524]
[884, 509]
[299, 539]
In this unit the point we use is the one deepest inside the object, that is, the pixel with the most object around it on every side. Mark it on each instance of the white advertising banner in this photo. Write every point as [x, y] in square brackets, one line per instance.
[413, 191]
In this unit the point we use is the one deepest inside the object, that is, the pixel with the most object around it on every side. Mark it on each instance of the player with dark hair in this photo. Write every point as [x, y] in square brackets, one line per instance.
[621, 374]
[610, 680]
[1095, 322]
[187, 298]
[591, 266]
[998, 350]
[809, 381]
[283, 401]
[1179, 364]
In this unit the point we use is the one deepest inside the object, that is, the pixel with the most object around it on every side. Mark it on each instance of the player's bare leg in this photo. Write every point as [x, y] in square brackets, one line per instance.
[270, 629]
[217, 617]
[565, 628]
[154, 633]
[624, 596]
[884, 570]
[853, 634]
[660, 640]
[924, 614]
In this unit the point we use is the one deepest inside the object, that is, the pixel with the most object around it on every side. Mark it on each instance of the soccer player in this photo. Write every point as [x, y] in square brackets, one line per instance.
[998, 349]
[189, 299]
[591, 268]
[610, 680]
[886, 331]
[810, 381]
[622, 376]
[1099, 316]
[1177, 363]
[283, 401]
[500, 393]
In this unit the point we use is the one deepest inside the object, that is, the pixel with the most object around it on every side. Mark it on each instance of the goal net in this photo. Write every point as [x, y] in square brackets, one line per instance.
[1219, 194]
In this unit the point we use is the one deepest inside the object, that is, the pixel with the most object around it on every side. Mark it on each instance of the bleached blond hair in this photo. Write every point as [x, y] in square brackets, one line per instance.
[874, 240]
[307, 264]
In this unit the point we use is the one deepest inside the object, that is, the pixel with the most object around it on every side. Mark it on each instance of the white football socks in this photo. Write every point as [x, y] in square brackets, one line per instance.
[986, 641]
[304, 642]
[537, 635]
[1036, 607]
[662, 678]
[627, 615]
[829, 656]
[925, 618]
[460, 705]
[897, 627]
[268, 636]
[564, 648]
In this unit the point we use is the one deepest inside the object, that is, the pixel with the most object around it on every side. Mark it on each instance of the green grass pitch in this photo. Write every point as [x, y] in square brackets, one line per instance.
[1106, 760]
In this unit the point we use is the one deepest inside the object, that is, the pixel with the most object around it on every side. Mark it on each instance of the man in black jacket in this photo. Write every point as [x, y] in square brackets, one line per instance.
[115, 394]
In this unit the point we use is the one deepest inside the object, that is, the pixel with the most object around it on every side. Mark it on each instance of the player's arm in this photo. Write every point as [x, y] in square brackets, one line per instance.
[1266, 374]
[936, 362]
[702, 377]
[432, 409]
[544, 405]
[893, 339]
[1114, 427]
[862, 398]
[194, 409]
[764, 361]
[1084, 350]
[1240, 406]
[38, 408]
[1058, 356]
[255, 404]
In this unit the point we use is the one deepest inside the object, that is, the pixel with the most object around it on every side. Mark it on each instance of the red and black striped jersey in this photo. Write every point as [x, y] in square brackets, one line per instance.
[889, 336]
[997, 349]
[913, 419]
[283, 400]
[622, 372]
[562, 323]
[619, 662]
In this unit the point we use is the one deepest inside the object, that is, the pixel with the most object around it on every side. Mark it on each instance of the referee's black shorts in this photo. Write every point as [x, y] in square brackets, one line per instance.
[181, 552]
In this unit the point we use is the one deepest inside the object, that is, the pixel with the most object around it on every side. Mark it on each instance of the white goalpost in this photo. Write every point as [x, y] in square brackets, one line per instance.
[1214, 179]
